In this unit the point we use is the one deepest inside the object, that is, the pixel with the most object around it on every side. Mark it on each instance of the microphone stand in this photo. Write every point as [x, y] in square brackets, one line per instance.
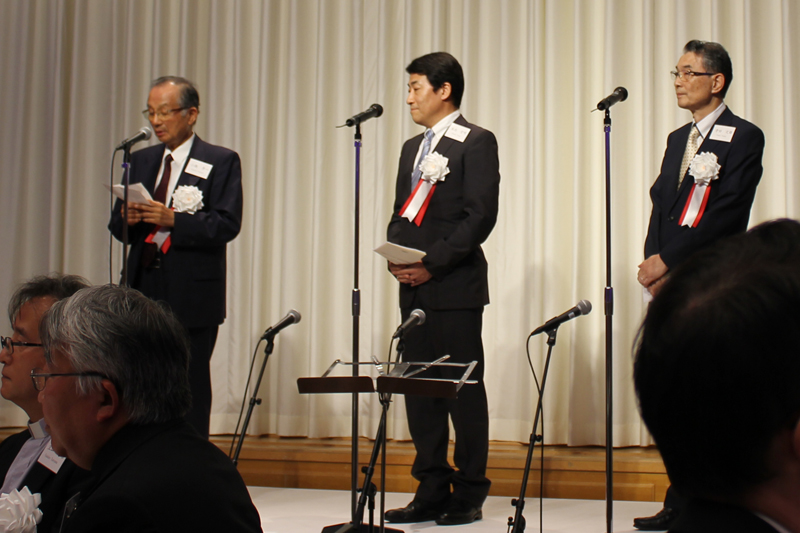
[609, 313]
[126, 166]
[253, 400]
[517, 523]
[356, 312]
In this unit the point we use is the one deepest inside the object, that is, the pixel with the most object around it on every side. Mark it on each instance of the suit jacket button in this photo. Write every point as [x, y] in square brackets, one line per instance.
[671, 218]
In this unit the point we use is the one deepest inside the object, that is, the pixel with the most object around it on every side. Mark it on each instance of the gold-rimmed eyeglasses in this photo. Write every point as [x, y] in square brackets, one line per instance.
[688, 75]
[162, 114]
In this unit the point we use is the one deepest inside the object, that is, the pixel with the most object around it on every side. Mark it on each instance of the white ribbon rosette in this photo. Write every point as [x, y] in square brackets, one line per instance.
[704, 168]
[19, 511]
[187, 199]
[434, 168]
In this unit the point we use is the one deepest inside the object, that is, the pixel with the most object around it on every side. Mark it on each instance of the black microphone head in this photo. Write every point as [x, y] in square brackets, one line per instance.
[296, 316]
[585, 306]
[623, 95]
[419, 313]
[378, 109]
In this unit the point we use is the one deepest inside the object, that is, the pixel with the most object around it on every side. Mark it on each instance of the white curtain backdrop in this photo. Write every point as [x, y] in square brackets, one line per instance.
[276, 77]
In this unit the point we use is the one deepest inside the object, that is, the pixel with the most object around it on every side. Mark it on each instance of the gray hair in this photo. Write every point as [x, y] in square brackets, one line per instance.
[135, 342]
[57, 286]
[189, 95]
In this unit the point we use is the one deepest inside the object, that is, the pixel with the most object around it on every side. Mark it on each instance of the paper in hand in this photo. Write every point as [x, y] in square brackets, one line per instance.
[400, 255]
[137, 194]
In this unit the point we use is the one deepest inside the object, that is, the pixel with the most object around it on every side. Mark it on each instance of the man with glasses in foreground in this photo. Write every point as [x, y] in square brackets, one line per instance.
[708, 181]
[27, 459]
[114, 392]
[178, 240]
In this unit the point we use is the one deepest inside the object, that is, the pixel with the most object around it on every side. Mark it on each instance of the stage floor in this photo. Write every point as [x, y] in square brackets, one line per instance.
[308, 511]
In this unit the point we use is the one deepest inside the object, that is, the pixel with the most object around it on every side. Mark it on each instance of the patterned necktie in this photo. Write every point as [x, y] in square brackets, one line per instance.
[688, 155]
[150, 249]
[426, 147]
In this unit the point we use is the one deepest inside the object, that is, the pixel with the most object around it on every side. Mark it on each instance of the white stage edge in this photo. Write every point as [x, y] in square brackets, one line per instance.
[308, 511]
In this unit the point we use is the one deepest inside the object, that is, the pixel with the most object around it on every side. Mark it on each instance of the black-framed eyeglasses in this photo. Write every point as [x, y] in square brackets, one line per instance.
[688, 75]
[162, 115]
[9, 344]
[40, 379]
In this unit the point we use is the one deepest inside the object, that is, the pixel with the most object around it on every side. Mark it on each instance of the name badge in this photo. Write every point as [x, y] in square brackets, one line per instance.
[50, 459]
[722, 133]
[198, 168]
[457, 132]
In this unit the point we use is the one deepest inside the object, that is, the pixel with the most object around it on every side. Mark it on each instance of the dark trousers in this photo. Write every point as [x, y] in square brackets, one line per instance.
[202, 342]
[456, 333]
[152, 283]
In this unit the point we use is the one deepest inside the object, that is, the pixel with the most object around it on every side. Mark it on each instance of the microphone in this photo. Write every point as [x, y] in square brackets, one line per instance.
[619, 95]
[141, 135]
[584, 307]
[375, 110]
[416, 318]
[292, 317]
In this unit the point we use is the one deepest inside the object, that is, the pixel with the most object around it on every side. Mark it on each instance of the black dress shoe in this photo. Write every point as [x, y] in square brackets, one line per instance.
[415, 511]
[459, 512]
[661, 521]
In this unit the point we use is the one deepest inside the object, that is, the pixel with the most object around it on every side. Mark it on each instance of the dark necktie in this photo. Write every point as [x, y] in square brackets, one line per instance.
[150, 248]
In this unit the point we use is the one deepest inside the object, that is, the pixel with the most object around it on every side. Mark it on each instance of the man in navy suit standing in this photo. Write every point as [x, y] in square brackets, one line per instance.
[178, 240]
[705, 191]
[446, 205]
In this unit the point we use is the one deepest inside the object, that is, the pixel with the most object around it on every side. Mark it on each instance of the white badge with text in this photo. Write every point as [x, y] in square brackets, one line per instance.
[50, 459]
[198, 168]
[722, 133]
[457, 132]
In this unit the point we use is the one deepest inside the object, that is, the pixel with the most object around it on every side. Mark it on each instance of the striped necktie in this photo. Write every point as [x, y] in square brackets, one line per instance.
[426, 147]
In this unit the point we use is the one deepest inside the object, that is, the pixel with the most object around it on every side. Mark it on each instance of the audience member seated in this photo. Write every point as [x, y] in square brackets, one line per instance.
[114, 392]
[717, 373]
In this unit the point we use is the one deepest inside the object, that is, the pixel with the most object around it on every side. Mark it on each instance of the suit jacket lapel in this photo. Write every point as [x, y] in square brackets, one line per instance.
[708, 145]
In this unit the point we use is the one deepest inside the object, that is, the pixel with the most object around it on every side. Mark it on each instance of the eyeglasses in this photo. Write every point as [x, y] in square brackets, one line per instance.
[162, 115]
[9, 344]
[688, 75]
[40, 380]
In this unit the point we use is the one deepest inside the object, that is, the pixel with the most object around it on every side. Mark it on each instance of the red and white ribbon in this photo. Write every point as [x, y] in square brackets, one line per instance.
[161, 237]
[434, 168]
[417, 204]
[704, 168]
[695, 205]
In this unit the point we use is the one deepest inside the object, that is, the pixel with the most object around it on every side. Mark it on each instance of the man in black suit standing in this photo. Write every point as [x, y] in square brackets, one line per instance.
[446, 205]
[27, 459]
[178, 240]
[716, 368]
[114, 393]
[706, 187]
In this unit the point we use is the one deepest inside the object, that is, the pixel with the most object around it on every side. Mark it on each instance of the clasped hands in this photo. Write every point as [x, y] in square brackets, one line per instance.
[652, 273]
[413, 274]
[152, 213]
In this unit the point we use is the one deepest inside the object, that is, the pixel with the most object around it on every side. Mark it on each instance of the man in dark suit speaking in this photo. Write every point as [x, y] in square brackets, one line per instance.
[446, 205]
[178, 240]
[707, 185]
[114, 392]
